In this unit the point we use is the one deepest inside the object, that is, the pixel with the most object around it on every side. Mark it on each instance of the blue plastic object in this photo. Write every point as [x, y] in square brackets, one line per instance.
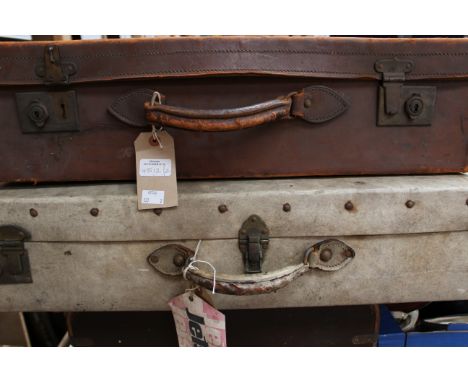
[390, 332]
[391, 335]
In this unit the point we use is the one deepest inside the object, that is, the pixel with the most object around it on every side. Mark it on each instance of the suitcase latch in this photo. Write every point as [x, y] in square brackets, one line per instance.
[401, 104]
[253, 242]
[14, 259]
[53, 71]
[55, 110]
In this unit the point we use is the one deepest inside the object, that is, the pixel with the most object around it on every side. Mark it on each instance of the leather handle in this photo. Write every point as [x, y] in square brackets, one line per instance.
[313, 104]
[221, 119]
[244, 285]
[175, 260]
[252, 284]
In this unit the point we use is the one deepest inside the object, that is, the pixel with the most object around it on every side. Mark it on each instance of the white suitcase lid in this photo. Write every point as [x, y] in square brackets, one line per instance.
[340, 206]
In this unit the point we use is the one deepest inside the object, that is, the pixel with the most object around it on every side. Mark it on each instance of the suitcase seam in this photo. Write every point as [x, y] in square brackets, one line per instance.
[238, 70]
[234, 71]
[327, 53]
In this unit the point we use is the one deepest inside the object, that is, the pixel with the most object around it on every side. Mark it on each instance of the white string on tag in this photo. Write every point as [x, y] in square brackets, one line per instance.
[196, 287]
[154, 131]
[192, 290]
[194, 260]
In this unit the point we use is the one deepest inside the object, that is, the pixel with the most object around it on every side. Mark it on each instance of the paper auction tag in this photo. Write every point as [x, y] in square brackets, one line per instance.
[197, 322]
[156, 171]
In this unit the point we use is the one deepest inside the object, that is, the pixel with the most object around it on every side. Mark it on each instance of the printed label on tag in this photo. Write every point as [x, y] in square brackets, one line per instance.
[197, 322]
[156, 172]
[152, 197]
[155, 167]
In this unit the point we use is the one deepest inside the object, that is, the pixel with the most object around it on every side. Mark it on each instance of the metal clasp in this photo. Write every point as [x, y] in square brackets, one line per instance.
[253, 242]
[14, 260]
[53, 70]
[401, 104]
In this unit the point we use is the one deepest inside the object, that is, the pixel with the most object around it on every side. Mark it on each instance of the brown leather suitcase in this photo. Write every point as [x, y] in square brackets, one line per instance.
[356, 325]
[236, 106]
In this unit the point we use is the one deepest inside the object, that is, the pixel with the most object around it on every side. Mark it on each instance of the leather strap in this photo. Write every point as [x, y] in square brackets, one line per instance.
[219, 120]
[314, 104]
[348, 58]
[128, 108]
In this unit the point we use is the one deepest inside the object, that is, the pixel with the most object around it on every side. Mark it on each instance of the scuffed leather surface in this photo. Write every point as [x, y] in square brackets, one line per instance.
[129, 109]
[349, 145]
[164, 57]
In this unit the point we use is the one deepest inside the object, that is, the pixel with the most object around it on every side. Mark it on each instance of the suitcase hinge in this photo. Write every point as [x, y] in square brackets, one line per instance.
[53, 71]
[253, 242]
[14, 259]
[401, 104]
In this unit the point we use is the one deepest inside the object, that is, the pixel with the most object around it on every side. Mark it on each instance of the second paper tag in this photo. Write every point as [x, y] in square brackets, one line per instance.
[156, 171]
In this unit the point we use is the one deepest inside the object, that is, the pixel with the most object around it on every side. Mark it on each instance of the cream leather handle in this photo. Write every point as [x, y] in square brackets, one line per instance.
[327, 255]
[250, 284]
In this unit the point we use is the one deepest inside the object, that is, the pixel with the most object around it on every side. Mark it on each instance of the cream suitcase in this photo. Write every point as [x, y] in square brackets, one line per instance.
[313, 242]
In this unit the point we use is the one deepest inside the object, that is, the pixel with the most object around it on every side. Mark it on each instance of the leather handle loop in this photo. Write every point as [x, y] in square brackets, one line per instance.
[177, 260]
[338, 255]
[243, 285]
[221, 119]
[222, 113]
[314, 104]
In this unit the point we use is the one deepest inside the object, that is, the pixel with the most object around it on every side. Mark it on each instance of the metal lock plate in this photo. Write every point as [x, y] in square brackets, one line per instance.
[253, 242]
[401, 104]
[14, 259]
[47, 112]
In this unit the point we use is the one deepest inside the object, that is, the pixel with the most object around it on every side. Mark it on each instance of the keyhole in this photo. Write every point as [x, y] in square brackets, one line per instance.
[64, 110]
[414, 106]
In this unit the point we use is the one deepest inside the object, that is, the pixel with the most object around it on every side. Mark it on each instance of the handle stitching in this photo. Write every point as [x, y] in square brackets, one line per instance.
[250, 51]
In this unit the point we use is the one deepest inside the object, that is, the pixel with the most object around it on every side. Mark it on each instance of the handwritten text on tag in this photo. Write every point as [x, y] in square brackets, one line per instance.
[155, 167]
[156, 171]
[152, 197]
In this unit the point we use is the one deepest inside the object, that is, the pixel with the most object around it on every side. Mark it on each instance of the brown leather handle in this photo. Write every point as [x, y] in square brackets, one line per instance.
[221, 119]
[313, 104]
